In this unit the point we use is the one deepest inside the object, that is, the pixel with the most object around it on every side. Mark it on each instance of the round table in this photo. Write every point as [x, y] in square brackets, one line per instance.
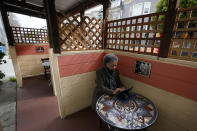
[137, 112]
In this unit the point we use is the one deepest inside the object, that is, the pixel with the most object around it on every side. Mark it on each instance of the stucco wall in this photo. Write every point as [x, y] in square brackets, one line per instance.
[29, 60]
[77, 79]
[31, 65]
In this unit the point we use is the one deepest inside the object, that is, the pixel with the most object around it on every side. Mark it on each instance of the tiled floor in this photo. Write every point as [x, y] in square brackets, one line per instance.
[37, 110]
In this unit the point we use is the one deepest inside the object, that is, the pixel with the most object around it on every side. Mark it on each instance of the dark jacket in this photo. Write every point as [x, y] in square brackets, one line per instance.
[103, 84]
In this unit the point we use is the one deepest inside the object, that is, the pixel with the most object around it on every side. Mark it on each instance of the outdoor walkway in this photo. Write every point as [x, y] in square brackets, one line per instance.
[8, 105]
[37, 110]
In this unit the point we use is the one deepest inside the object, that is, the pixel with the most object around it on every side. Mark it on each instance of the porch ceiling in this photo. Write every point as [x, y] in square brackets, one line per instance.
[62, 5]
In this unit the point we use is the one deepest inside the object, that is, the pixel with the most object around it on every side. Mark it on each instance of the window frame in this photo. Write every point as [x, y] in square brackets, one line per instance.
[148, 9]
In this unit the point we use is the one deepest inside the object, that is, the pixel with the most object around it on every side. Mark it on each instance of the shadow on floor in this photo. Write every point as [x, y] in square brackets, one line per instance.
[37, 110]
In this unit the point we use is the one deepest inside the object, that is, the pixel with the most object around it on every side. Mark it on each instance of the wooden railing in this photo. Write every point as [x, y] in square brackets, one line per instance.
[184, 40]
[29, 35]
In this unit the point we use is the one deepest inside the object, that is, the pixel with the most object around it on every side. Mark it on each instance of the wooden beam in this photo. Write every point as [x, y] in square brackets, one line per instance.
[82, 11]
[86, 5]
[168, 28]
[103, 2]
[23, 11]
[8, 29]
[52, 25]
[24, 4]
[105, 19]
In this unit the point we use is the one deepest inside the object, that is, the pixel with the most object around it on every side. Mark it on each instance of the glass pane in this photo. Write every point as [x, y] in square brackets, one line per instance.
[195, 46]
[126, 48]
[158, 42]
[194, 13]
[176, 44]
[157, 34]
[132, 41]
[174, 53]
[137, 42]
[136, 48]
[143, 42]
[184, 53]
[183, 15]
[131, 48]
[180, 25]
[117, 47]
[150, 42]
[194, 54]
[137, 35]
[156, 50]
[148, 50]
[178, 34]
[192, 24]
[142, 49]
[186, 44]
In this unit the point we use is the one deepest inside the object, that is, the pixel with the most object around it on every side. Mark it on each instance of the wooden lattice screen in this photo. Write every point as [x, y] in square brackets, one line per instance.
[184, 41]
[29, 35]
[77, 34]
[140, 34]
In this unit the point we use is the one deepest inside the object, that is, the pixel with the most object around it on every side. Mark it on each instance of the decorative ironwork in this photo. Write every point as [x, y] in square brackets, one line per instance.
[29, 35]
[184, 40]
[77, 34]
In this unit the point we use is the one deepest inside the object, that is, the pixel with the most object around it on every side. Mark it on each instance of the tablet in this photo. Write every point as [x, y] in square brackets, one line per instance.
[124, 91]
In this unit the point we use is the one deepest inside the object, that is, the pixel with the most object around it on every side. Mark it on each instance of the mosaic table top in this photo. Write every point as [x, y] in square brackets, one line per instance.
[137, 112]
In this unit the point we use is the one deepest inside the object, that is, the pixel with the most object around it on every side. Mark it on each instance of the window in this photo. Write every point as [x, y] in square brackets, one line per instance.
[147, 6]
[115, 3]
[137, 9]
[126, 1]
[140, 8]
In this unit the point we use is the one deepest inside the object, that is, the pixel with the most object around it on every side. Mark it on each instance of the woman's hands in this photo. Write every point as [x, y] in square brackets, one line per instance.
[118, 90]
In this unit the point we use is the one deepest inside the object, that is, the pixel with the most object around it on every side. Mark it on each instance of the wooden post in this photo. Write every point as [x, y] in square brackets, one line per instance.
[8, 29]
[82, 14]
[53, 34]
[168, 28]
[82, 18]
[82, 11]
[105, 19]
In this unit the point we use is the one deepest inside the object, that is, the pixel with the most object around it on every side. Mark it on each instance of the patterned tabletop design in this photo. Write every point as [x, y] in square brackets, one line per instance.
[137, 112]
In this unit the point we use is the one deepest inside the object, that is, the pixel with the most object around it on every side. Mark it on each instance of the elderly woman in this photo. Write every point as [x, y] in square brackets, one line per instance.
[107, 79]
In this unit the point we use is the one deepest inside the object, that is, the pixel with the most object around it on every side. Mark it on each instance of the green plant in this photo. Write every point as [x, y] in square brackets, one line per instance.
[12, 79]
[1, 57]
[162, 6]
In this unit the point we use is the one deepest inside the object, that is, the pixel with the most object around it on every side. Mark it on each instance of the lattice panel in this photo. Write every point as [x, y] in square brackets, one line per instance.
[184, 41]
[80, 35]
[141, 34]
[29, 35]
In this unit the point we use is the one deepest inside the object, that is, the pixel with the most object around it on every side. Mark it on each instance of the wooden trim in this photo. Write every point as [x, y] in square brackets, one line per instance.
[105, 19]
[23, 10]
[52, 25]
[77, 7]
[168, 28]
[24, 5]
[6, 24]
